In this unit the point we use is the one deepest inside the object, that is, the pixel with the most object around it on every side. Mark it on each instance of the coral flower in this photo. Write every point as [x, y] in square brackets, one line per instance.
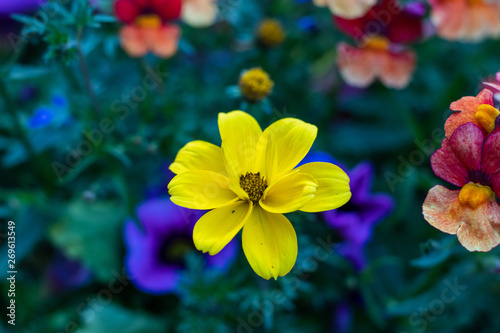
[349, 9]
[477, 110]
[379, 54]
[150, 24]
[466, 20]
[472, 213]
[250, 182]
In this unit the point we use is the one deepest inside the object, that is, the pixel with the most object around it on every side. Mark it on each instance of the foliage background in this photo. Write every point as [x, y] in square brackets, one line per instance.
[81, 213]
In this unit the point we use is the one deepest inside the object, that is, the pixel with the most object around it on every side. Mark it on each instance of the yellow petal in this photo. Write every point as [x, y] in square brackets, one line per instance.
[198, 189]
[333, 187]
[239, 133]
[289, 193]
[199, 155]
[269, 243]
[218, 227]
[283, 145]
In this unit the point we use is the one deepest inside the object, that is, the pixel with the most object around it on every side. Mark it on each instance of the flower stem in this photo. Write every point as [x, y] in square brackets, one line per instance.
[84, 68]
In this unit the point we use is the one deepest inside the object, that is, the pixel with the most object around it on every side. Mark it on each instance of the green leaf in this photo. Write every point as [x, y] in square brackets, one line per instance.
[112, 318]
[88, 228]
[103, 18]
[22, 73]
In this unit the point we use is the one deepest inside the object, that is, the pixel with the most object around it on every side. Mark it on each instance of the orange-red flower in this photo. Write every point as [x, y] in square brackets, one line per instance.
[472, 213]
[478, 110]
[466, 20]
[150, 24]
[379, 54]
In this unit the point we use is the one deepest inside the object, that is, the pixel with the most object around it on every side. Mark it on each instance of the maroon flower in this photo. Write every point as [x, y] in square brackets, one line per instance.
[128, 10]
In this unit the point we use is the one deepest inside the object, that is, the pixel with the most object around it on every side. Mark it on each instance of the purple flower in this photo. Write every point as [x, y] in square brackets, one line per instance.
[65, 274]
[156, 251]
[356, 219]
[19, 6]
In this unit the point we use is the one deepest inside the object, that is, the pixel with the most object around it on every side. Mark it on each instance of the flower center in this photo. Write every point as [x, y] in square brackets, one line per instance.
[254, 185]
[148, 21]
[173, 249]
[377, 43]
[486, 116]
[255, 84]
[474, 195]
[270, 32]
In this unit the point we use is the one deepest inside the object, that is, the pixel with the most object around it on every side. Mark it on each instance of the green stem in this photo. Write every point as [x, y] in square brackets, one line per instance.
[84, 68]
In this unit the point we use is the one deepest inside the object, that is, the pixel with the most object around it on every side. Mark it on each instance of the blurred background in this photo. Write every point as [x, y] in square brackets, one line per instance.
[87, 132]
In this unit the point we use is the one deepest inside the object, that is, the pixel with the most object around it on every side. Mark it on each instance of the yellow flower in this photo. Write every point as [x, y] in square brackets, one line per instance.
[270, 33]
[255, 84]
[249, 183]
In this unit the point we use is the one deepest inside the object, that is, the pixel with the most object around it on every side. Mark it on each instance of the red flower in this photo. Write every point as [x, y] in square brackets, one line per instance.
[377, 57]
[388, 19]
[128, 10]
[468, 161]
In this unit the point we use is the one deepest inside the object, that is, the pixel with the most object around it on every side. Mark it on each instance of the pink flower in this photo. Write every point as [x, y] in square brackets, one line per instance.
[466, 20]
[477, 110]
[472, 213]
[349, 9]
[378, 54]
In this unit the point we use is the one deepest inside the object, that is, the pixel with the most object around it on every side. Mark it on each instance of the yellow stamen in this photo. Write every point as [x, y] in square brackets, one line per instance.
[254, 185]
[377, 43]
[148, 21]
[475, 195]
[255, 84]
[486, 116]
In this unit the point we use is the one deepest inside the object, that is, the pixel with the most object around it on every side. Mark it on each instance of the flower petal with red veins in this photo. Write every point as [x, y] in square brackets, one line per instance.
[467, 107]
[447, 166]
[441, 208]
[467, 143]
[491, 154]
[495, 184]
[479, 229]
